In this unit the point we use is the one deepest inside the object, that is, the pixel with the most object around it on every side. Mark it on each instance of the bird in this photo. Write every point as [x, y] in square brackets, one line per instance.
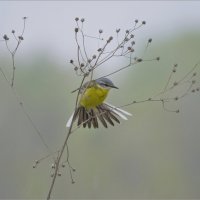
[92, 108]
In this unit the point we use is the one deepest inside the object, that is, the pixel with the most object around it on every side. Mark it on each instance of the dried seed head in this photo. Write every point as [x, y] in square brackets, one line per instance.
[76, 30]
[158, 58]
[175, 83]
[144, 22]
[86, 74]
[111, 38]
[36, 163]
[53, 166]
[24, 18]
[193, 90]
[82, 20]
[177, 111]
[99, 50]
[21, 38]
[133, 42]
[175, 65]
[59, 174]
[89, 60]
[82, 65]
[63, 165]
[71, 61]
[52, 175]
[100, 31]
[75, 68]
[149, 99]
[139, 60]
[150, 40]
[126, 39]
[131, 36]
[136, 21]
[76, 19]
[127, 31]
[197, 89]
[176, 98]
[194, 74]
[94, 56]
[5, 37]
[13, 31]
[130, 49]
[118, 30]
[193, 81]
[174, 70]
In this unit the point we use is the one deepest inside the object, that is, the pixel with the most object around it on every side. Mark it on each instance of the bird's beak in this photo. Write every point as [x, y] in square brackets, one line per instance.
[113, 86]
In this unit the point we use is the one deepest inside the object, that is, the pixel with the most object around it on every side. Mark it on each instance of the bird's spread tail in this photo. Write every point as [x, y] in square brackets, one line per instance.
[105, 113]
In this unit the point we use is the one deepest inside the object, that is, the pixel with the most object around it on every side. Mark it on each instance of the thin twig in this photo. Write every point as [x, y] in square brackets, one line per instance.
[116, 71]
[21, 103]
[19, 39]
[57, 162]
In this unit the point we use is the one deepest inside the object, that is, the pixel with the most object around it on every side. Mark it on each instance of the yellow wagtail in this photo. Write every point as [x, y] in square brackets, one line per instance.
[91, 105]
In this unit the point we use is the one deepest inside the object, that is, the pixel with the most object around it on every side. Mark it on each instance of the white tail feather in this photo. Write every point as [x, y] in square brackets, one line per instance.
[120, 114]
[70, 120]
[115, 109]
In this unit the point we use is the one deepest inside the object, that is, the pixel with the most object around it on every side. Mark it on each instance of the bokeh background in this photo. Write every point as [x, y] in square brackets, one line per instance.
[155, 154]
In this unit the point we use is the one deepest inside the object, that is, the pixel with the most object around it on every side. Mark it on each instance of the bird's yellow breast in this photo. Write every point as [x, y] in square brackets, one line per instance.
[93, 96]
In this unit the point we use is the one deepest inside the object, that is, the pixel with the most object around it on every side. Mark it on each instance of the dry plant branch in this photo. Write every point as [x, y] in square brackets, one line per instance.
[85, 66]
[18, 39]
[57, 162]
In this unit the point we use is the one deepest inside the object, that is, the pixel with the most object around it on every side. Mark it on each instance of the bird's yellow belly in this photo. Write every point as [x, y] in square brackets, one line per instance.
[93, 97]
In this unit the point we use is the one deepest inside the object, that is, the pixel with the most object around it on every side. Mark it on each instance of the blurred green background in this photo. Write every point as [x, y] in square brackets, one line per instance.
[155, 154]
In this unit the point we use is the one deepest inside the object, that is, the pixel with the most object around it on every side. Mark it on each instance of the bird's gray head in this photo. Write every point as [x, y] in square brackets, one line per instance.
[106, 83]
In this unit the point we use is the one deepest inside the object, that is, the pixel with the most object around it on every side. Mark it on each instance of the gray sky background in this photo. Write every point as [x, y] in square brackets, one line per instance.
[50, 24]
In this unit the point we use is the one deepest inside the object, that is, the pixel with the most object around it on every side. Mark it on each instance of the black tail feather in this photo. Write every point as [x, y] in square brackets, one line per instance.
[89, 117]
[113, 117]
[85, 118]
[89, 121]
[94, 118]
[101, 118]
[106, 116]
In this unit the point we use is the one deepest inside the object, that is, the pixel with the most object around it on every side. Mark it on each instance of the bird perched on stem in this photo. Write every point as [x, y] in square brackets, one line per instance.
[92, 107]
